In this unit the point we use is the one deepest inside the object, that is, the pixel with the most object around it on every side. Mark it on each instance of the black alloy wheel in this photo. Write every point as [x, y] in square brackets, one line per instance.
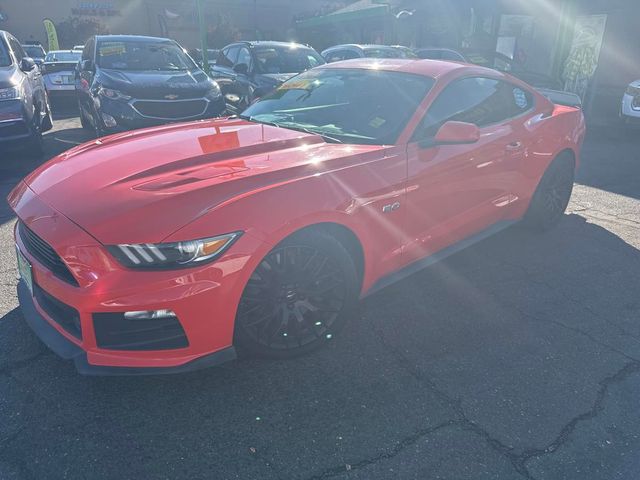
[298, 297]
[552, 196]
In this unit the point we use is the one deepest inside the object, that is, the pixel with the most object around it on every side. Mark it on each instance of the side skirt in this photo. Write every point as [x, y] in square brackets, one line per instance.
[439, 256]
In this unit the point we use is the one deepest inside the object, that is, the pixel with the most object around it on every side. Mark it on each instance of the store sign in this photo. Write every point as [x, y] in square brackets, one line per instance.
[96, 9]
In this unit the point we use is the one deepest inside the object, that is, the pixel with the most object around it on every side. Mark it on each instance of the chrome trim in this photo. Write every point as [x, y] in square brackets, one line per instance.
[206, 106]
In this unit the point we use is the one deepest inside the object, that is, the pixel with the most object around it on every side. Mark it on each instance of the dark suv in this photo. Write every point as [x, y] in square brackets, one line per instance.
[126, 81]
[24, 105]
[249, 70]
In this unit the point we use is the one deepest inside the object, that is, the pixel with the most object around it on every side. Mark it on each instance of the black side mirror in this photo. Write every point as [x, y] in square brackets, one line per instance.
[87, 66]
[27, 64]
[241, 68]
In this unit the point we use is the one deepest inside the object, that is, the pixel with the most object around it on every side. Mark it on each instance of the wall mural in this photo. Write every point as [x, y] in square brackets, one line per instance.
[583, 58]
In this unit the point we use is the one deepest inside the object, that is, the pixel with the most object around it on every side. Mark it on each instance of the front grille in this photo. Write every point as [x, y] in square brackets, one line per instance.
[114, 332]
[171, 110]
[64, 315]
[46, 255]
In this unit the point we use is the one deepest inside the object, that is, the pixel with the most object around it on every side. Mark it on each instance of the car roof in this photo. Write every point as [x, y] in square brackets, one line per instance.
[269, 43]
[428, 68]
[363, 46]
[131, 38]
[71, 50]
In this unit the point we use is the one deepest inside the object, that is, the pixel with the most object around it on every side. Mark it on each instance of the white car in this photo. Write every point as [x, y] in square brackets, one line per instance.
[59, 73]
[631, 103]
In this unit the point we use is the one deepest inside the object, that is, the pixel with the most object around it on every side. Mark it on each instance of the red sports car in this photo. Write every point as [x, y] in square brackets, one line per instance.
[165, 249]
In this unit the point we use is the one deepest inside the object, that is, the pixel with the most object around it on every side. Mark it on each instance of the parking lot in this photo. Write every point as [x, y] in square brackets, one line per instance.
[517, 358]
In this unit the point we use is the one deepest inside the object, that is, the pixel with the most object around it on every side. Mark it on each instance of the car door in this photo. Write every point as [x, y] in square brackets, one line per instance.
[33, 85]
[456, 191]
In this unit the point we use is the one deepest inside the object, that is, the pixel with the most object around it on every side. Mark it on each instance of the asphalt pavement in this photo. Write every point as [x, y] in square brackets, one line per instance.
[518, 358]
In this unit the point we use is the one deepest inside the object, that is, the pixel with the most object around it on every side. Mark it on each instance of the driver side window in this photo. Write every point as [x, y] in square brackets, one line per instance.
[244, 56]
[478, 100]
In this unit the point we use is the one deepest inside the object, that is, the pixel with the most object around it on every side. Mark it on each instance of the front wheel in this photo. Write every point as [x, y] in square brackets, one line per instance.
[552, 196]
[299, 296]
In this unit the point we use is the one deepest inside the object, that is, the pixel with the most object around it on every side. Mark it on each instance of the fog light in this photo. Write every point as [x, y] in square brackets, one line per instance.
[108, 120]
[149, 314]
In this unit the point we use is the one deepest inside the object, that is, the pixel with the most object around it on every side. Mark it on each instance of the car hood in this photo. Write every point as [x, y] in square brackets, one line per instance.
[9, 76]
[143, 186]
[278, 77]
[152, 84]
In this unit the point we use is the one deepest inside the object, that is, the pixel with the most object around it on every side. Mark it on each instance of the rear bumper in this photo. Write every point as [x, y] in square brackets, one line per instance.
[68, 350]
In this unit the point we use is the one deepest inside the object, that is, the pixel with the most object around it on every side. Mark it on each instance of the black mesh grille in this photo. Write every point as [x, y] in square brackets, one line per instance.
[114, 332]
[46, 255]
[64, 315]
[171, 110]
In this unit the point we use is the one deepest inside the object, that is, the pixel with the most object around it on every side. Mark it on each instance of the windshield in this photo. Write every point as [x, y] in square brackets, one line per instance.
[34, 52]
[285, 59]
[383, 53]
[348, 105]
[5, 58]
[140, 55]
[62, 57]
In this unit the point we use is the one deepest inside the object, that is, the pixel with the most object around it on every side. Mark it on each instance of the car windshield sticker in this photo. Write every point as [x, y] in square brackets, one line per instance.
[377, 122]
[520, 97]
[112, 48]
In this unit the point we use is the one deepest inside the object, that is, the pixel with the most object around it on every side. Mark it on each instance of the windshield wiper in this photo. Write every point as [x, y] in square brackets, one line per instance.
[326, 137]
[289, 126]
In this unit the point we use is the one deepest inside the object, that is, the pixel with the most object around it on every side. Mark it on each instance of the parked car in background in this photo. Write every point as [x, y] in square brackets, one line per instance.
[630, 110]
[24, 105]
[212, 56]
[59, 72]
[127, 81]
[445, 54]
[406, 52]
[161, 252]
[36, 52]
[350, 51]
[249, 70]
[78, 48]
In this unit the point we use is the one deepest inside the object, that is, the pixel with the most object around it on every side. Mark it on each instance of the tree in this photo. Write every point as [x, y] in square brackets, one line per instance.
[76, 31]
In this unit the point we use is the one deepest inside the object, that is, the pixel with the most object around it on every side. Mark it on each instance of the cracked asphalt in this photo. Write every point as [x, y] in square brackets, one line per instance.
[518, 358]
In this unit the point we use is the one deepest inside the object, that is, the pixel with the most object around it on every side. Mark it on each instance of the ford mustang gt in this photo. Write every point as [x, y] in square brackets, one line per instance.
[170, 248]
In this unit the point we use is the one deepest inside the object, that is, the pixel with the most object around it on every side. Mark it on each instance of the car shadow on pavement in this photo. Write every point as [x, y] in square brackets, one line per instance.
[610, 160]
[468, 369]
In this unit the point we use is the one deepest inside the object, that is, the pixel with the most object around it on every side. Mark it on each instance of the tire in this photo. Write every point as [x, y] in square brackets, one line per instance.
[86, 125]
[47, 122]
[35, 145]
[552, 196]
[298, 298]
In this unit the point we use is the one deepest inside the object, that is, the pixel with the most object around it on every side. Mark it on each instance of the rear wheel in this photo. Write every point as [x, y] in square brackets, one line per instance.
[552, 196]
[298, 298]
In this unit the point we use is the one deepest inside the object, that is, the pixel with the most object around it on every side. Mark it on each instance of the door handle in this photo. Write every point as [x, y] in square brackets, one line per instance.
[513, 146]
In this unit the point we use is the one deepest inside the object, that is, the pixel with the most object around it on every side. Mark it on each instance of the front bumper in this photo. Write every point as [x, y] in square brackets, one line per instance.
[68, 350]
[14, 124]
[128, 117]
[630, 106]
[204, 299]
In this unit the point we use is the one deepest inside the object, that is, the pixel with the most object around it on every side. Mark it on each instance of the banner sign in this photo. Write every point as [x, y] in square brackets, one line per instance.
[52, 35]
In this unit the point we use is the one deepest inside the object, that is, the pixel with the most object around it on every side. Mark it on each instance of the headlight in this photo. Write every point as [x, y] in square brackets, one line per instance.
[112, 94]
[172, 255]
[10, 93]
[633, 91]
[214, 91]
